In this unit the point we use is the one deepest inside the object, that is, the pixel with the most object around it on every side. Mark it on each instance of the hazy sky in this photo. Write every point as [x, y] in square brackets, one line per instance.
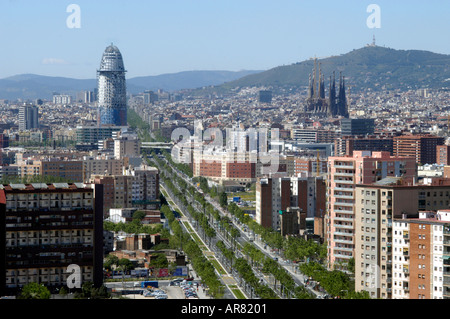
[168, 36]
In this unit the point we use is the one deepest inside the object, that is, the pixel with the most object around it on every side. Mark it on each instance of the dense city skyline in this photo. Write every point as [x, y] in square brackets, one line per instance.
[200, 35]
[326, 176]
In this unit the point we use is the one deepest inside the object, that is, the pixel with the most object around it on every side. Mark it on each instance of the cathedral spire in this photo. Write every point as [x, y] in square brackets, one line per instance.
[332, 96]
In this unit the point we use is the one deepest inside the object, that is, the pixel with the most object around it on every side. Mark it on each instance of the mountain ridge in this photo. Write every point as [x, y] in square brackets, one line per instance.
[33, 86]
[370, 67]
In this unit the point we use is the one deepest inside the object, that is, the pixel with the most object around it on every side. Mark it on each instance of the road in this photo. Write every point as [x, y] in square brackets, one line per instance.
[298, 277]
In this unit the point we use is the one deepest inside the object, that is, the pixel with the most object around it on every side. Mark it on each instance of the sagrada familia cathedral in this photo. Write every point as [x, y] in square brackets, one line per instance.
[317, 104]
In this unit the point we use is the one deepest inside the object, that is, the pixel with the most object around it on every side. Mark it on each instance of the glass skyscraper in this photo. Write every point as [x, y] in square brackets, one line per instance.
[112, 100]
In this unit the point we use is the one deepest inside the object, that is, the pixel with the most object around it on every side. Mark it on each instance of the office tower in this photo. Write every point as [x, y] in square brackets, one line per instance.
[112, 100]
[88, 137]
[344, 173]
[422, 147]
[28, 117]
[44, 229]
[357, 127]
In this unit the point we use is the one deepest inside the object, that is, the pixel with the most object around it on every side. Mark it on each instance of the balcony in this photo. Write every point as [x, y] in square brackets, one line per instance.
[345, 189]
[338, 233]
[343, 196]
[344, 165]
[343, 241]
[344, 219]
[343, 174]
[343, 181]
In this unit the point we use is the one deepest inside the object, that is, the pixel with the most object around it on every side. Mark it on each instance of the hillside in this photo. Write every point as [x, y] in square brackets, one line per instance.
[368, 67]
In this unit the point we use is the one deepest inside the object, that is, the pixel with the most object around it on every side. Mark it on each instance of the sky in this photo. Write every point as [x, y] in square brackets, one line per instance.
[155, 37]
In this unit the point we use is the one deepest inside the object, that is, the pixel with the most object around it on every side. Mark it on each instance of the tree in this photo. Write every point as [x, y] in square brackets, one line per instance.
[125, 264]
[351, 265]
[139, 215]
[223, 199]
[34, 291]
[159, 262]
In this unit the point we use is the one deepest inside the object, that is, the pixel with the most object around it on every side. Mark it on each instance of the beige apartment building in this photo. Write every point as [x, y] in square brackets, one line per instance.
[377, 206]
[344, 174]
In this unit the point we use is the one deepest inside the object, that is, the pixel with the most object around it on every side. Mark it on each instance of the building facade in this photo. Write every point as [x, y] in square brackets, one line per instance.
[422, 147]
[112, 102]
[28, 117]
[274, 195]
[421, 259]
[46, 228]
[344, 173]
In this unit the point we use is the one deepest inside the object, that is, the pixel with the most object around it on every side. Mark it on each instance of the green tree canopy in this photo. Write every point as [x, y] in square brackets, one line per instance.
[34, 291]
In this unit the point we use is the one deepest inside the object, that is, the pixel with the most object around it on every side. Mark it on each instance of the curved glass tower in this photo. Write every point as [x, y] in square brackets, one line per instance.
[112, 95]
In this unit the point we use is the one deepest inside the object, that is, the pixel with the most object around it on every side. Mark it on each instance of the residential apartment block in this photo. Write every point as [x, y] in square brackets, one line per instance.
[377, 246]
[422, 147]
[274, 195]
[46, 228]
[421, 256]
[344, 173]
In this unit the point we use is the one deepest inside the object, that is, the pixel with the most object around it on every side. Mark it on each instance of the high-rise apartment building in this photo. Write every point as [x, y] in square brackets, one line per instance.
[112, 100]
[28, 117]
[422, 147]
[344, 173]
[378, 248]
[376, 206]
[127, 146]
[310, 166]
[277, 194]
[421, 256]
[47, 227]
[135, 187]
